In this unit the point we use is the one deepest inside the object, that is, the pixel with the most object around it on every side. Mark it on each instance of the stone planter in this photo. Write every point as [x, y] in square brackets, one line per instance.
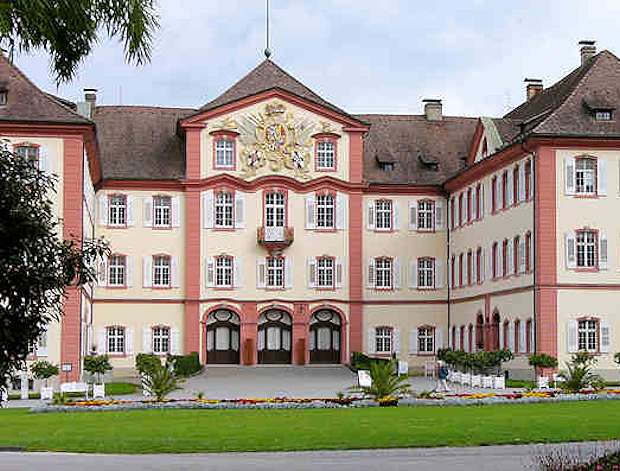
[450, 376]
[542, 382]
[499, 382]
[456, 377]
[466, 379]
[476, 381]
[98, 391]
[487, 382]
[47, 393]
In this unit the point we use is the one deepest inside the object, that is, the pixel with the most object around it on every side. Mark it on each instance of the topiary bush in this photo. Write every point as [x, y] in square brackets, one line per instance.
[43, 370]
[97, 365]
[360, 361]
[185, 365]
[542, 360]
[146, 362]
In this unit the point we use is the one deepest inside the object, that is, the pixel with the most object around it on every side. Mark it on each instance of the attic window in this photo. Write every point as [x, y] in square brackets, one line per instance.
[428, 162]
[603, 115]
[385, 162]
[4, 93]
[386, 166]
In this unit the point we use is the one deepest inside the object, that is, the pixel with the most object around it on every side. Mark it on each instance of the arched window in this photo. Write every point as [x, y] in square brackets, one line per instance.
[480, 332]
[494, 344]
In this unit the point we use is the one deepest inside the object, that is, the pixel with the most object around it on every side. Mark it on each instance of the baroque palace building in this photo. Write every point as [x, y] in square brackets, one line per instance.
[272, 227]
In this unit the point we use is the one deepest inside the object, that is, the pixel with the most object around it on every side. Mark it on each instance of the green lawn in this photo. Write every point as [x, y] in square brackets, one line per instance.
[167, 431]
[119, 389]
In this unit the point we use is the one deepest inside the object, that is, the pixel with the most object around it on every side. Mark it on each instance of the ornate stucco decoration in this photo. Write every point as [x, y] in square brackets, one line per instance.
[278, 139]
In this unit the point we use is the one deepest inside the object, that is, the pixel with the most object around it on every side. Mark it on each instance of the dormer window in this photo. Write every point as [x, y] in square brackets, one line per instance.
[4, 95]
[386, 166]
[603, 115]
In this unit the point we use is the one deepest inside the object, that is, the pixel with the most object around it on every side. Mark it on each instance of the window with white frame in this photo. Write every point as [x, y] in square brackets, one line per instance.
[224, 272]
[325, 211]
[161, 271]
[117, 210]
[161, 340]
[274, 209]
[224, 153]
[603, 115]
[383, 340]
[162, 211]
[426, 215]
[426, 340]
[585, 176]
[325, 267]
[116, 339]
[383, 211]
[117, 270]
[586, 242]
[325, 155]
[224, 209]
[587, 335]
[30, 153]
[426, 273]
[383, 273]
[275, 272]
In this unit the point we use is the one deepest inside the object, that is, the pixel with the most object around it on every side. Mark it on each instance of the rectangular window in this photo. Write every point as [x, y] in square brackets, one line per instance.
[116, 339]
[325, 210]
[325, 155]
[30, 153]
[515, 185]
[383, 273]
[224, 153]
[479, 266]
[587, 249]
[383, 340]
[426, 273]
[602, 115]
[275, 214]
[117, 210]
[224, 209]
[528, 252]
[461, 260]
[494, 261]
[504, 190]
[161, 340]
[224, 272]
[505, 258]
[383, 212]
[161, 271]
[587, 332]
[275, 272]
[162, 211]
[117, 269]
[469, 267]
[426, 215]
[494, 194]
[585, 176]
[469, 214]
[426, 340]
[325, 272]
[528, 179]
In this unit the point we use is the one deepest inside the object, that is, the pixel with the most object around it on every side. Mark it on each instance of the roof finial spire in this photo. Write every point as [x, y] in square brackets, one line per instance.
[267, 48]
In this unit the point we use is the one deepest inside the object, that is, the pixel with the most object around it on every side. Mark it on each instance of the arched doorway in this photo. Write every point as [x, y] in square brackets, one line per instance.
[223, 337]
[325, 337]
[274, 337]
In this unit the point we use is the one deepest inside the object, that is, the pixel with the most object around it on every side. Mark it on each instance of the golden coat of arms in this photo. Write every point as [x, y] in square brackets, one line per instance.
[275, 138]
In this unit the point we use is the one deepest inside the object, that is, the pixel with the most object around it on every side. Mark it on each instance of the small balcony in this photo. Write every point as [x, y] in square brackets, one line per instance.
[275, 238]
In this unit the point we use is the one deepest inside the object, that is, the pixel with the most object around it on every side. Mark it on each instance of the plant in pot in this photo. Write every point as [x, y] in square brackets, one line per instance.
[477, 367]
[542, 362]
[44, 370]
[145, 364]
[97, 365]
[386, 387]
[495, 360]
[578, 375]
[161, 381]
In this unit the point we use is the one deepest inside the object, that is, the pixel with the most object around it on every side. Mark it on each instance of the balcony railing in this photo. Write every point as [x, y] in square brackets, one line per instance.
[275, 237]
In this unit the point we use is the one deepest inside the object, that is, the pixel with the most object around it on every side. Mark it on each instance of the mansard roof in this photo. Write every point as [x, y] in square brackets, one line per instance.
[27, 103]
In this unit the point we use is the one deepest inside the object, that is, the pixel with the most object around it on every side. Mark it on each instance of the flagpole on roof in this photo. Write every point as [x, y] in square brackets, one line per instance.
[267, 48]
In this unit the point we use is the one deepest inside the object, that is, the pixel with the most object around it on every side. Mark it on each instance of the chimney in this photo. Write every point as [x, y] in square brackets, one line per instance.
[432, 109]
[87, 107]
[588, 49]
[532, 87]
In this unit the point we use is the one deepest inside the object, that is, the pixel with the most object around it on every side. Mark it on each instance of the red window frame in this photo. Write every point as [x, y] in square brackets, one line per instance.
[469, 267]
[528, 336]
[515, 254]
[504, 190]
[228, 136]
[325, 137]
[528, 252]
[528, 180]
[478, 265]
[517, 335]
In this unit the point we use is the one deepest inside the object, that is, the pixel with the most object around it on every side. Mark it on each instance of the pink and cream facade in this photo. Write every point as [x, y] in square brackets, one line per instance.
[271, 227]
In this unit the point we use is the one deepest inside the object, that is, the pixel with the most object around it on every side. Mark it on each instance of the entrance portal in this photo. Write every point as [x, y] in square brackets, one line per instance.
[223, 337]
[325, 335]
[274, 337]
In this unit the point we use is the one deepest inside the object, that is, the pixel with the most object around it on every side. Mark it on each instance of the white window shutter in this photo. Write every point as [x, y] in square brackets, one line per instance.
[571, 336]
[147, 345]
[498, 193]
[130, 213]
[101, 342]
[509, 189]
[602, 176]
[238, 272]
[521, 255]
[311, 267]
[490, 261]
[449, 337]
[102, 272]
[129, 267]
[45, 164]
[499, 256]
[474, 204]
[370, 340]
[261, 272]
[522, 337]
[397, 273]
[310, 211]
[413, 216]
[569, 175]
[605, 337]
[532, 337]
[466, 340]
[176, 211]
[397, 343]
[438, 339]
[288, 273]
[413, 341]
[370, 215]
[129, 341]
[396, 214]
[103, 210]
[603, 262]
[473, 339]
[488, 197]
[339, 272]
[439, 273]
[569, 243]
[413, 273]
[147, 271]
[175, 341]
[510, 257]
[209, 270]
[370, 273]
[207, 209]
[341, 211]
[521, 189]
[439, 215]
[502, 341]
[474, 268]
[511, 336]
[239, 210]
[147, 211]
[483, 265]
[174, 271]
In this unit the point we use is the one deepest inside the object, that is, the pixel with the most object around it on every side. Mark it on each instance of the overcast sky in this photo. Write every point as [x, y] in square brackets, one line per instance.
[362, 55]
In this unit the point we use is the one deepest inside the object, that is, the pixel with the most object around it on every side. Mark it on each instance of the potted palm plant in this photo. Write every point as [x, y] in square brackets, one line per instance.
[386, 387]
[43, 371]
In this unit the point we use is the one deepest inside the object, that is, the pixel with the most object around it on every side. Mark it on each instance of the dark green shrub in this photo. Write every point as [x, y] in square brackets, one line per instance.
[97, 365]
[359, 361]
[542, 360]
[43, 370]
[146, 362]
[185, 365]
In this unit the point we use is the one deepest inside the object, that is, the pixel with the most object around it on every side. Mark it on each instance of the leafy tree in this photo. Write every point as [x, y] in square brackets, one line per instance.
[69, 29]
[36, 265]
[43, 370]
[97, 365]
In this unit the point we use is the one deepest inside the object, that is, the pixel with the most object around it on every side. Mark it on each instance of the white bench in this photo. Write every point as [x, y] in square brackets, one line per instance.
[74, 388]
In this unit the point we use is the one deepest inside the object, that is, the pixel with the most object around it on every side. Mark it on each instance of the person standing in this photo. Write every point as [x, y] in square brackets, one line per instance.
[442, 376]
